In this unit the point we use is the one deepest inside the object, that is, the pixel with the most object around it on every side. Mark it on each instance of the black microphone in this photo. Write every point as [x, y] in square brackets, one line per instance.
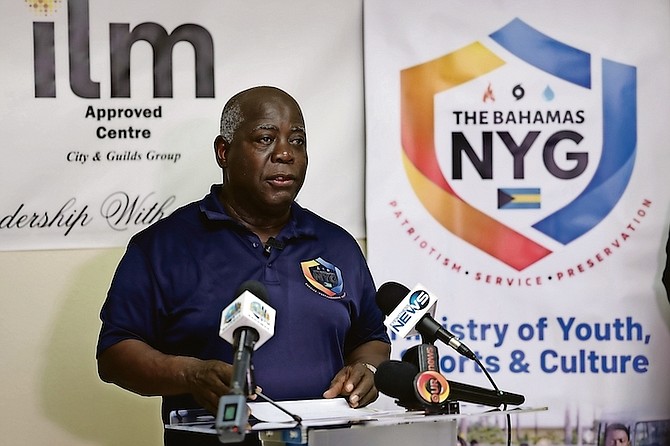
[392, 294]
[397, 381]
[246, 323]
[424, 356]
[272, 243]
[403, 381]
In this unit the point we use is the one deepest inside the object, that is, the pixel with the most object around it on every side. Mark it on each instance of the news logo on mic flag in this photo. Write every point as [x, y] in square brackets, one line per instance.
[404, 318]
[431, 387]
[248, 311]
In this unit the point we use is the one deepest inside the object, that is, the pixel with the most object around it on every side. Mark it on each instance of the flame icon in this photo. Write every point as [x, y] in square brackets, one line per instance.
[44, 7]
[488, 94]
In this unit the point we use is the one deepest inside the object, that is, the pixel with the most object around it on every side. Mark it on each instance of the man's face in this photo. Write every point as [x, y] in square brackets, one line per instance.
[266, 162]
[616, 437]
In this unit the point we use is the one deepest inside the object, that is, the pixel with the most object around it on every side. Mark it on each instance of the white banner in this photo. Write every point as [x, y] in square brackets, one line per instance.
[110, 108]
[517, 166]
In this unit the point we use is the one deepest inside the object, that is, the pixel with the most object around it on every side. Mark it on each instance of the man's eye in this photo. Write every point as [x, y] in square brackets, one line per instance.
[265, 140]
[298, 141]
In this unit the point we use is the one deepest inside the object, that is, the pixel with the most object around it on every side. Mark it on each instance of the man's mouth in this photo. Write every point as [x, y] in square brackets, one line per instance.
[281, 180]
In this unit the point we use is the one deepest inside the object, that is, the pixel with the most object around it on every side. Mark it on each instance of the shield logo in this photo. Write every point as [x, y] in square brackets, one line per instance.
[324, 277]
[550, 145]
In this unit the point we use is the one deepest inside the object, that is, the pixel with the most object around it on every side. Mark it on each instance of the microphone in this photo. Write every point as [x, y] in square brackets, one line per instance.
[403, 381]
[272, 243]
[424, 356]
[432, 388]
[405, 308]
[396, 379]
[247, 323]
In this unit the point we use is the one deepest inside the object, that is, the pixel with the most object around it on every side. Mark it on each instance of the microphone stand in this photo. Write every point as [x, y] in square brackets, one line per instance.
[232, 419]
[295, 417]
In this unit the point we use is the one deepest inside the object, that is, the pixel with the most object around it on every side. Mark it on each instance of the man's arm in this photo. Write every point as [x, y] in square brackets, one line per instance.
[138, 367]
[356, 379]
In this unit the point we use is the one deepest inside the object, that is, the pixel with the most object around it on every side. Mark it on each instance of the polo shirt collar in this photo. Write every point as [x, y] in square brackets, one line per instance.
[299, 225]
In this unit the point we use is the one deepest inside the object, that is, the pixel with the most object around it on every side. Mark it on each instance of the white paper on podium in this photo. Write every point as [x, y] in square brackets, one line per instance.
[323, 410]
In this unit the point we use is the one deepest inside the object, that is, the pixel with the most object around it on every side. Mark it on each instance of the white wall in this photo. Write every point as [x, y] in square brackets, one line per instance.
[49, 324]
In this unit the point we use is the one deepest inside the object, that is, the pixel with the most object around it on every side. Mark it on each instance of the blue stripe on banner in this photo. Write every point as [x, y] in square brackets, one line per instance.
[616, 164]
[521, 205]
[545, 53]
[521, 190]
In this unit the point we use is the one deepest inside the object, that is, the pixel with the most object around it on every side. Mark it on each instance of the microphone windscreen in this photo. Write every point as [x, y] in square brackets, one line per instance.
[396, 379]
[389, 296]
[254, 287]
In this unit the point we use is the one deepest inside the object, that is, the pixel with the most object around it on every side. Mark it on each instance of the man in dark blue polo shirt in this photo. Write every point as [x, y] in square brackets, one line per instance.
[161, 317]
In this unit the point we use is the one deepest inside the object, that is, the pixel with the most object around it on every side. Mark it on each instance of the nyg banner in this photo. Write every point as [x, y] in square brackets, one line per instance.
[110, 108]
[517, 166]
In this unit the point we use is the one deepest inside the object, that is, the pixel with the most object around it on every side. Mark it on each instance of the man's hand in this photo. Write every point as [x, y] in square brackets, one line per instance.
[134, 365]
[207, 382]
[356, 382]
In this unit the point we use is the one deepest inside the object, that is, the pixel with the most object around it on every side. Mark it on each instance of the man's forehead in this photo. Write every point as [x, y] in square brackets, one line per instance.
[262, 96]
[270, 108]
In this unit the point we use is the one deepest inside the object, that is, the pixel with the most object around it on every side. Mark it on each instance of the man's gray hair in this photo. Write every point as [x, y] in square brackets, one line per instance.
[232, 116]
[231, 119]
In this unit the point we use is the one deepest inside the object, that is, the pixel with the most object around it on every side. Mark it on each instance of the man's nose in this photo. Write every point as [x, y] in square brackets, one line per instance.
[283, 152]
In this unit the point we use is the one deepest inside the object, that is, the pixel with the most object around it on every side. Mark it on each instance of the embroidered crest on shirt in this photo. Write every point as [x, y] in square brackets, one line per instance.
[324, 278]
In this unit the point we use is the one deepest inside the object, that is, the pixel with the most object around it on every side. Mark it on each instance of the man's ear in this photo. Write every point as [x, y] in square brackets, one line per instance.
[220, 151]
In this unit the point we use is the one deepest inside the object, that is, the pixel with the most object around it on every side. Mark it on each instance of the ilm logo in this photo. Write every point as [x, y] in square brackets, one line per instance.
[121, 39]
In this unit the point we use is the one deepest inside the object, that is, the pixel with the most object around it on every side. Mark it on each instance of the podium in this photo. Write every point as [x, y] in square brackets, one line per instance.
[364, 427]
[389, 429]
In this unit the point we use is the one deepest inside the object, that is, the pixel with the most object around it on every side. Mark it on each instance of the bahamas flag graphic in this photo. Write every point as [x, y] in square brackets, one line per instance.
[519, 198]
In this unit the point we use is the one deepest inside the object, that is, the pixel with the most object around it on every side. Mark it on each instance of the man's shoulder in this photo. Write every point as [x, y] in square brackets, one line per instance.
[181, 221]
[321, 225]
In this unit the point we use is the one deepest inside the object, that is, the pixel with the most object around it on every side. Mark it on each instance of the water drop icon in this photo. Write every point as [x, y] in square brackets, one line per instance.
[548, 94]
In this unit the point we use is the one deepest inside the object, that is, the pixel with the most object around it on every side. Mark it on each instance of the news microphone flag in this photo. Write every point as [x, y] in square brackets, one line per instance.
[248, 311]
[246, 324]
[402, 321]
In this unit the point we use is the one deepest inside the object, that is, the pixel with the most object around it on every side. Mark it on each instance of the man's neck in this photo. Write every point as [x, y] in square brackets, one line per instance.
[264, 225]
